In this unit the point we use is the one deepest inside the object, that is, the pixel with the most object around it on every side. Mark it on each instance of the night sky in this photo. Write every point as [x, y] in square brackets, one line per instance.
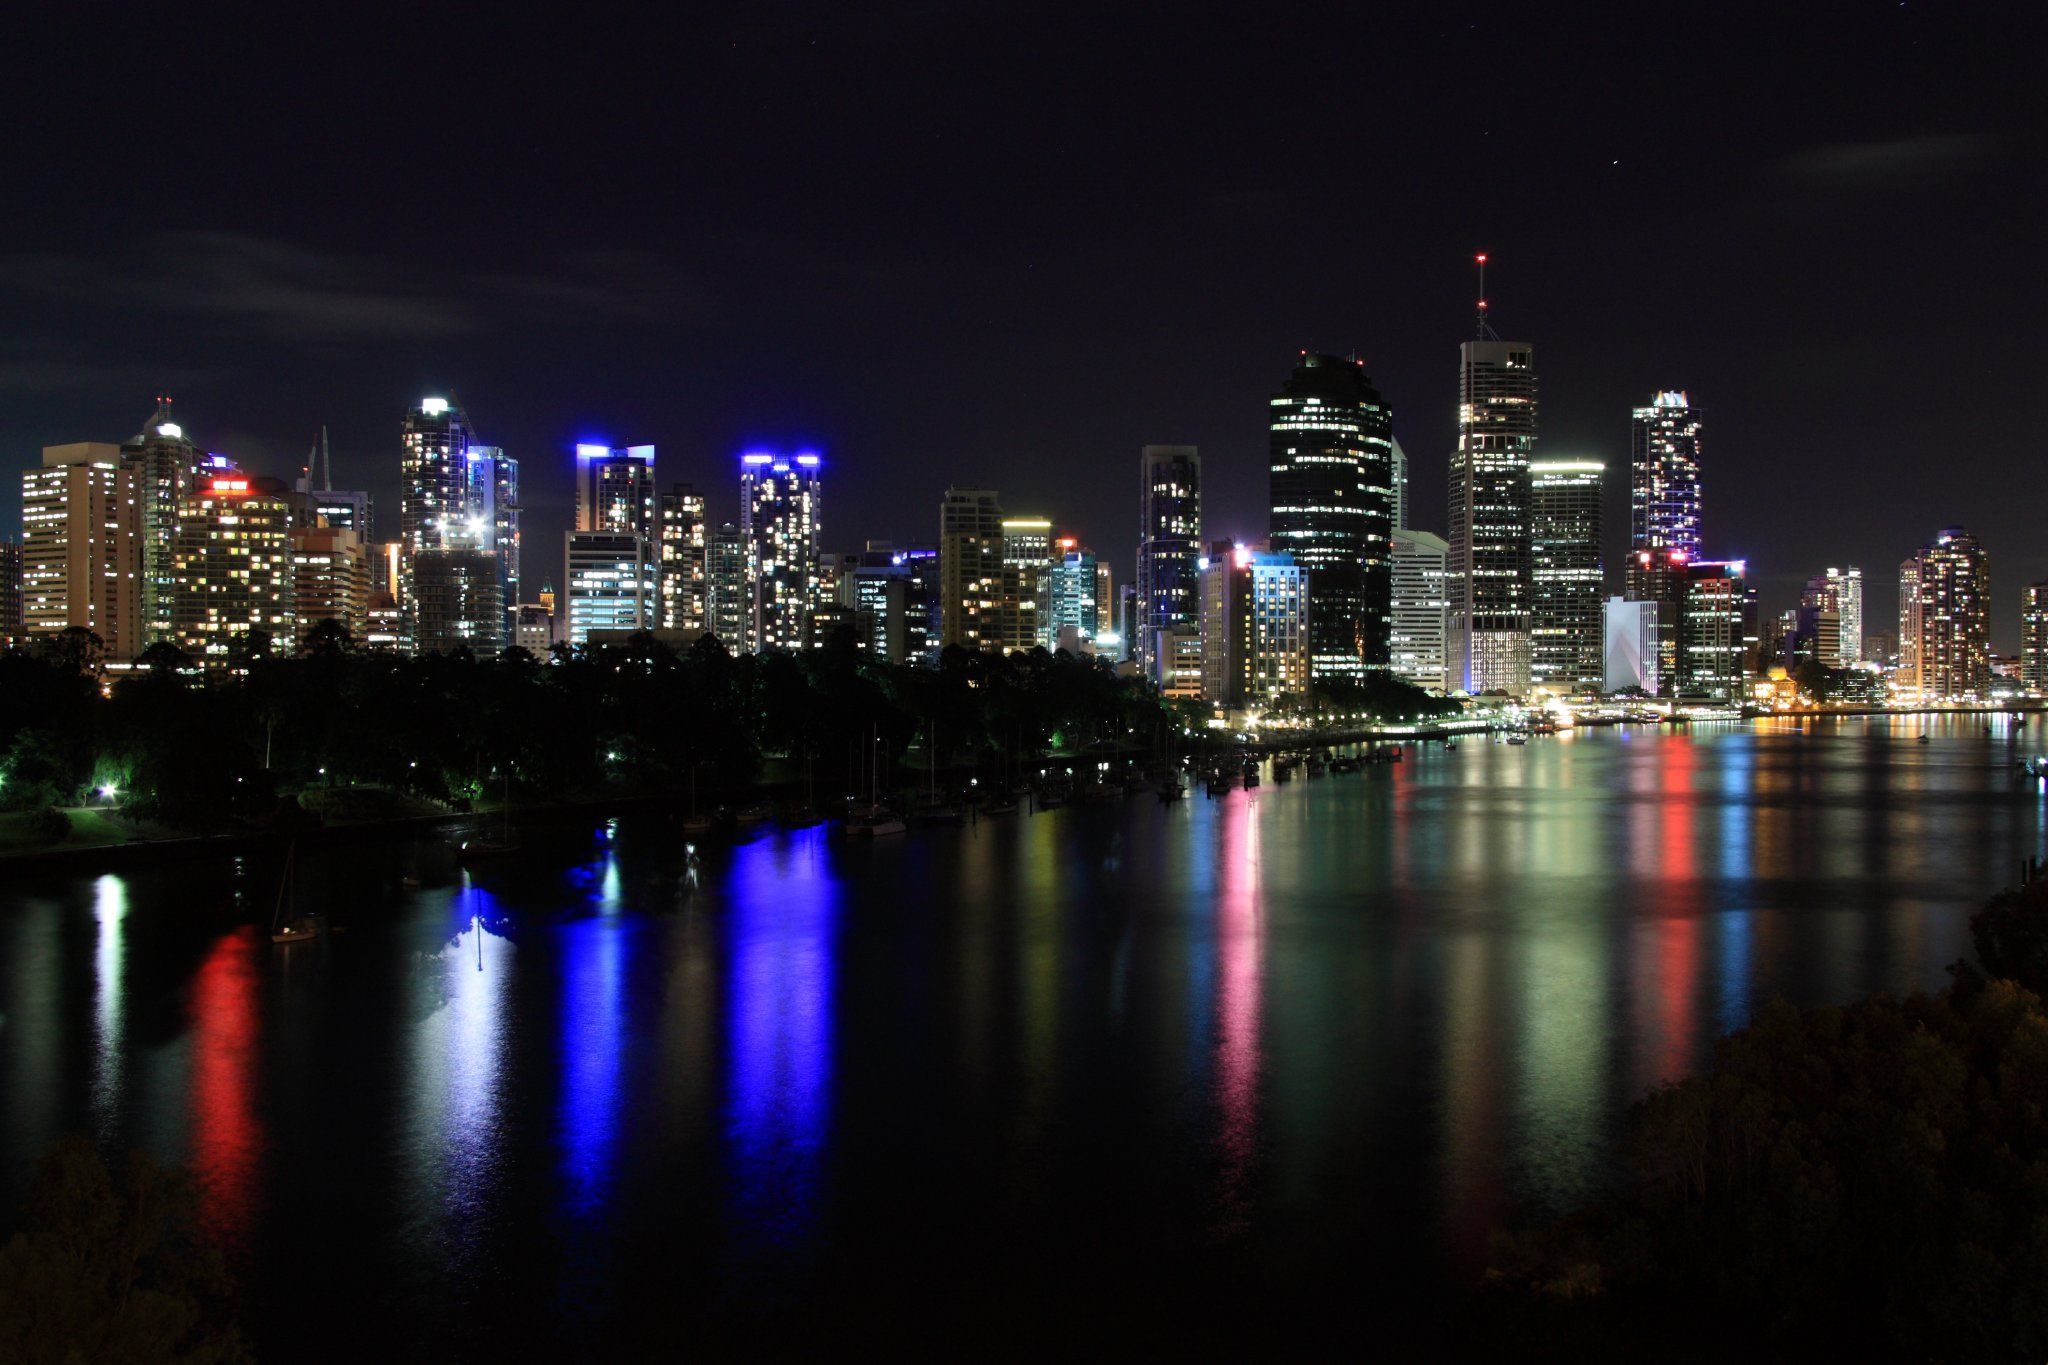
[1002, 244]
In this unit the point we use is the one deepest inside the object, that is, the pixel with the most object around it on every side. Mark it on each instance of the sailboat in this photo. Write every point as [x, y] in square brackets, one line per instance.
[935, 809]
[877, 820]
[475, 850]
[302, 928]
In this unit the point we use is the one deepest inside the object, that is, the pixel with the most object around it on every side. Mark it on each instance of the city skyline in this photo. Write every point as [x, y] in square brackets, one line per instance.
[664, 311]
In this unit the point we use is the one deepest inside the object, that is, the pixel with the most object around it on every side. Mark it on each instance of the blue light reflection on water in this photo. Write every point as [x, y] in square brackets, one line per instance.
[782, 934]
[1737, 754]
[592, 948]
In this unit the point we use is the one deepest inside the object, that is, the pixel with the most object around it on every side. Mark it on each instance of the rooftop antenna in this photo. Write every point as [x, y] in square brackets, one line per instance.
[1484, 332]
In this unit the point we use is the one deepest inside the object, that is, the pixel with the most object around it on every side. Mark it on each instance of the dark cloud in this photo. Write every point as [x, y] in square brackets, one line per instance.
[1896, 165]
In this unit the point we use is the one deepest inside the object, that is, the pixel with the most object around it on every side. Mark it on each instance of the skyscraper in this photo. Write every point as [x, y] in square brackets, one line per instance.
[1331, 482]
[1256, 627]
[970, 568]
[780, 507]
[2033, 637]
[1664, 478]
[81, 551]
[231, 567]
[434, 468]
[493, 499]
[1420, 608]
[166, 466]
[1400, 487]
[728, 604]
[682, 559]
[611, 584]
[1487, 643]
[1955, 617]
[1712, 638]
[615, 490]
[330, 580]
[10, 592]
[1909, 626]
[1834, 600]
[1069, 618]
[1567, 579]
[1169, 541]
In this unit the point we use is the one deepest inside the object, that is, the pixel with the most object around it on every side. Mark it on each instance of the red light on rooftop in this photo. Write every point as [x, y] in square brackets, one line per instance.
[1481, 258]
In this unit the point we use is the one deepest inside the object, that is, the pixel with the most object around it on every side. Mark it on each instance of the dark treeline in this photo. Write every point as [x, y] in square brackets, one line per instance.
[194, 751]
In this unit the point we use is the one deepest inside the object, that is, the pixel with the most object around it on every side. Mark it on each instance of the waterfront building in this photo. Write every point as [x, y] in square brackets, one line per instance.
[330, 580]
[1420, 608]
[1176, 664]
[615, 490]
[728, 602]
[681, 557]
[231, 567]
[1632, 652]
[2033, 638]
[1169, 538]
[10, 593]
[1567, 575]
[970, 568]
[1664, 479]
[611, 584]
[1331, 496]
[1257, 631]
[81, 549]
[780, 509]
[166, 466]
[1836, 595]
[1027, 556]
[1712, 636]
[1908, 675]
[1487, 644]
[1954, 652]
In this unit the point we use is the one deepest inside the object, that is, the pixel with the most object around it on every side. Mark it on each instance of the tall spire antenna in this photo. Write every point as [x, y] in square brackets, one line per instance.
[326, 460]
[1483, 332]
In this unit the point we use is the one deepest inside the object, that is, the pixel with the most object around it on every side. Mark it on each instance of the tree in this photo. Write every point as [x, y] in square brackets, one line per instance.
[112, 1270]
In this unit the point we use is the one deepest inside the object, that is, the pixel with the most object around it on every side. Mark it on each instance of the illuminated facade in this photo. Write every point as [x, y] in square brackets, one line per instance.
[1712, 635]
[494, 508]
[683, 587]
[433, 504]
[1954, 653]
[10, 593]
[1567, 577]
[780, 505]
[1027, 555]
[1400, 487]
[1070, 617]
[1421, 607]
[166, 466]
[1838, 593]
[231, 564]
[2034, 638]
[615, 490]
[1331, 490]
[330, 580]
[1487, 640]
[1909, 626]
[1664, 478]
[970, 568]
[728, 606]
[1169, 538]
[81, 549]
[1256, 627]
[611, 584]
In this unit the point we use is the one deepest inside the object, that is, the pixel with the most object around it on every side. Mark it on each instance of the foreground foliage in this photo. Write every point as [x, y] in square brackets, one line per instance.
[1869, 1176]
[110, 1270]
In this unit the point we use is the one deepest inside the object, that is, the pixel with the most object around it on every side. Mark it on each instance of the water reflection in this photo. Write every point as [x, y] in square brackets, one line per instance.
[1240, 937]
[110, 915]
[593, 953]
[227, 1129]
[783, 932]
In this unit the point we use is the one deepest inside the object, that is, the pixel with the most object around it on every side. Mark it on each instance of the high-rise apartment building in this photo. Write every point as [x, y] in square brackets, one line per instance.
[1909, 626]
[1567, 575]
[494, 518]
[166, 466]
[330, 580]
[81, 549]
[970, 569]
[780, 507]
[1421, 608]
[682, 558]
[1955, 618]
[1256, 627]
[615, 490]
[1664, 478]
[1490, 569]
[1712, 634]
[1838, 593]
[728, 606]
[1069, 617]
[433, 503]
[1169, 539]
[1331, 493]
[459, 525]
[2034, 638]
[1027, 556]
[231, 566]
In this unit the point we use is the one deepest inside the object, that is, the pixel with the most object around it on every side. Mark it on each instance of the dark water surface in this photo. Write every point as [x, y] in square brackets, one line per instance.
[1248, 1066]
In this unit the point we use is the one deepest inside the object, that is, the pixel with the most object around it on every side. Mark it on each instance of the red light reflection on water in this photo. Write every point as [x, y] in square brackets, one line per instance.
[1240, 937]
[1677, 923]
[227, 1131]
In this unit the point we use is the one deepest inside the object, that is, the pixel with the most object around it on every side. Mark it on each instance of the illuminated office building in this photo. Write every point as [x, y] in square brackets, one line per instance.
[1400, 464]
[1069, 617]
[1908, 677]
[1664, 478]
[1838, 593]
[494, 508]
[81, 549]
[780, 508]
[681, 556]
[231, 566]
[166, 466]
[1257, 628]
[330, 580]
[1027, 555]
[1567, 576]
[1420, 608]
[433, 504]
[970, 569]
[1331, 494]
[2034, 638]
[728, 603]
[1954, 602]
[1712, 635]
[1490, 570]
[612, 584]
[1169, 538]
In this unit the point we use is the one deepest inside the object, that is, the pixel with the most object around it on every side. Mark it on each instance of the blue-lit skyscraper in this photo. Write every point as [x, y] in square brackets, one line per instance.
[1169, 543]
